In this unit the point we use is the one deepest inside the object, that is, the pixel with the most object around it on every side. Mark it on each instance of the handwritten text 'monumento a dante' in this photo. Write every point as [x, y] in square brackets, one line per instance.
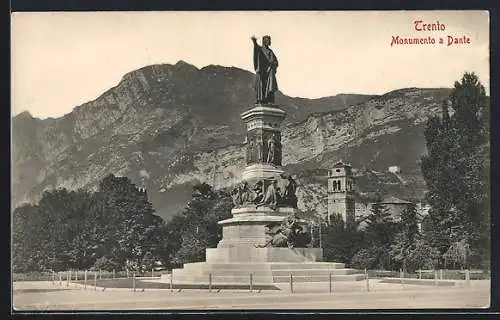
[422, 27]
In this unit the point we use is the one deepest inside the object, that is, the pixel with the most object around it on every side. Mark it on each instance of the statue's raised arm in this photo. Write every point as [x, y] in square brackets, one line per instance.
[265, 65]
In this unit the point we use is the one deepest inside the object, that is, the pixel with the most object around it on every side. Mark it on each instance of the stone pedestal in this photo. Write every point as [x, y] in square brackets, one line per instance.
[247, 227]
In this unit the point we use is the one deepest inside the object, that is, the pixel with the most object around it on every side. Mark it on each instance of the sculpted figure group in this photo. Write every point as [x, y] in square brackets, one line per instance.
[255, 149]
[280, 192]
[287, 234]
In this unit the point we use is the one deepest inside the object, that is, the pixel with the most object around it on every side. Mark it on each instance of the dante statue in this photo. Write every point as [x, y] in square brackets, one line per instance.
[265, 64]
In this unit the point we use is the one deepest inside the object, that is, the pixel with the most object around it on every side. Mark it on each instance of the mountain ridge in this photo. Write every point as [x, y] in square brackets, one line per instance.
[168, 126]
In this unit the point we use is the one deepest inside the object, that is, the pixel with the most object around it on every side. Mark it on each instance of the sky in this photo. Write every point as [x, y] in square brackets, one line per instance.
[61, 60]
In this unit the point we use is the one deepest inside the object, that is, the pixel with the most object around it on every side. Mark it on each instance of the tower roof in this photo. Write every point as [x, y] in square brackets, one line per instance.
[341, 164]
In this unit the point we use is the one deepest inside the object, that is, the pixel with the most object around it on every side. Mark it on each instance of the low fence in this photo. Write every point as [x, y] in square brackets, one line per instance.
[442, 274]
[371, 280]
[79, 274]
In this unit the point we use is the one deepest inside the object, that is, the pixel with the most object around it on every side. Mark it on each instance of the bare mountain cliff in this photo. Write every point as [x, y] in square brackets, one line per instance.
[169, 126]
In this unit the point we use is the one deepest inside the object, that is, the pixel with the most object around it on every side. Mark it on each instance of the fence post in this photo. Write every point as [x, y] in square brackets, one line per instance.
[100, 274]
[133, 281]
[291, 282]
[367, 281]
[251, 282]
[114, 274]
[210, 282]
[152, 272]
[440, 274]
[76, 277]
[402, 275]
[95, 280]
[435, 277]
[67, 278]
[60, 278]
[467, 278]
[330, 281]
[171, 281]
[420, 273]
[85, 280]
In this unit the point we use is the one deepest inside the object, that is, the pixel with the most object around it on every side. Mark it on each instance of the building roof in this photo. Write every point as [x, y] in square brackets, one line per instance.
[341, 164]
[394, 200]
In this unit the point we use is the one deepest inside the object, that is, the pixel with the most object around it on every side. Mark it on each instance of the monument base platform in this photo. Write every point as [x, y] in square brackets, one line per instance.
[265, 266]
[268, 274]
[243, 254]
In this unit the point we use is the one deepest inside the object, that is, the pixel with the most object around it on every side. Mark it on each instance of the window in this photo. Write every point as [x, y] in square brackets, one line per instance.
[334, 185]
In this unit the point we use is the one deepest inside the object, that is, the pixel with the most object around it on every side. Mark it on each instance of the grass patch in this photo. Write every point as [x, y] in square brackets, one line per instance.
[427, 282]
[37, 290]
[139, 284]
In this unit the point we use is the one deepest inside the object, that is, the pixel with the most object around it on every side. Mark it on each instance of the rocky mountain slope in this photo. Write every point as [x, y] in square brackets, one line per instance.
[168, 126]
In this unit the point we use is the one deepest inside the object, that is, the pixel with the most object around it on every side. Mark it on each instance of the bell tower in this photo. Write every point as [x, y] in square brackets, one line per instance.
[341, 192]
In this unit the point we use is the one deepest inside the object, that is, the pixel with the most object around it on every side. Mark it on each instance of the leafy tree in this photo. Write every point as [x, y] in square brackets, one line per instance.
[78, 229]
[379, 234]
[405, 240]
[421, 256]
[26, 238]
[456, 170]
[380, 227]
[104, 263]
[198, 225]
[368, 258]
[457, 254]
[340, 244]
[126, 224]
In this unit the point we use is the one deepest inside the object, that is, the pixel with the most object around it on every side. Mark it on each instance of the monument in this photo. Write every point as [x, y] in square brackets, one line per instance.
[266, 236]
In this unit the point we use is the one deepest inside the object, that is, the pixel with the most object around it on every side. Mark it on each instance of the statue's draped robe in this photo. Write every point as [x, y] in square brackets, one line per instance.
[265, 68]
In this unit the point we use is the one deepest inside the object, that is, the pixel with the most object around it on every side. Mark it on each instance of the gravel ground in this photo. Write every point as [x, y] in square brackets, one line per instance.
[35, 295]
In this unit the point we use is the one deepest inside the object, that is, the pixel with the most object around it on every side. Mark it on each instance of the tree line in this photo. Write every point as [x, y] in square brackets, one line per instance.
[114, 228]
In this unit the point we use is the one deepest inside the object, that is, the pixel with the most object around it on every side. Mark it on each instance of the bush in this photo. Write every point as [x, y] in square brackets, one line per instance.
[422, 256]
[104, 263]
[32, 276]
[365, 258]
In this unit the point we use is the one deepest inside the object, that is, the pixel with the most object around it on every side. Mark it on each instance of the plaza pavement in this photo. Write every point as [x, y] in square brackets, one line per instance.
[39, 295]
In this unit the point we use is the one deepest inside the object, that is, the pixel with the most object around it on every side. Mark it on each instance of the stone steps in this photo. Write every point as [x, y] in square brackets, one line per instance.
[313, 272]
[265, 273]
[319, 278]
[307, 265]
[262, 272]
[266, 266]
